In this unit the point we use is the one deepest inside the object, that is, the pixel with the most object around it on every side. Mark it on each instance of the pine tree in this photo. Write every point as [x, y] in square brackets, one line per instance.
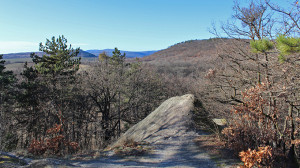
[7, 90]
[57, 67]
[48, 87]
[117, 58]
[7, 78]
[59, 59]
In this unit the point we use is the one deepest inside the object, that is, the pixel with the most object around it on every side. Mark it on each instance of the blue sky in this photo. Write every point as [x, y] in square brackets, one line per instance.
[135, 25]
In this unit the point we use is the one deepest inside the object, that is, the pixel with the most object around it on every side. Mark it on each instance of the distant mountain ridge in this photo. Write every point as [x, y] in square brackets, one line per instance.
[27, 54]
[85, 54]
[129, 54]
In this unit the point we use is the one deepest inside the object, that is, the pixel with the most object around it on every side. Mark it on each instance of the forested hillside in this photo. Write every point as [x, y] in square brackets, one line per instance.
[189, 51]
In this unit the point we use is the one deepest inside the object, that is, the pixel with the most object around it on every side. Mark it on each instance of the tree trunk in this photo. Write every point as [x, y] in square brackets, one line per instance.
[292, 153]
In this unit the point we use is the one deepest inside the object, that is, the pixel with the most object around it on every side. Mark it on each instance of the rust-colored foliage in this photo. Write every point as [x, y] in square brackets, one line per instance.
[55, 129]
[258, 122]
[55, 143]
[251, 126]
[254, 105]
[37, 147]
[254, 125]
[252, 158]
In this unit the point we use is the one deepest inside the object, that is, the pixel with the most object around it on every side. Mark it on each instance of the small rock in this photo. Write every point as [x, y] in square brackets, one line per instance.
[220, 122]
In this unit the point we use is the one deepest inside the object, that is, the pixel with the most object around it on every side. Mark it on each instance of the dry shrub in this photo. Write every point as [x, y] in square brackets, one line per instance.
[260, 158]
[251, 127]
[37, 147]
[211, 73]
[254, 124]
[55, 143]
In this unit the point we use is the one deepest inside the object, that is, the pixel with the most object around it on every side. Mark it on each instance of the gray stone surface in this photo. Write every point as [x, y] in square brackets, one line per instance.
[171, 117]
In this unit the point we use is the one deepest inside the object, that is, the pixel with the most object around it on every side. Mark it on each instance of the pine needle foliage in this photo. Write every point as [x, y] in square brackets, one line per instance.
[261, 46]
[117, 58]
[288, 45]
[59, 58]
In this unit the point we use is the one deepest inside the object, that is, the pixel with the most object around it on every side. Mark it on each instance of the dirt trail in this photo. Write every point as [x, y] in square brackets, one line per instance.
[172, 152]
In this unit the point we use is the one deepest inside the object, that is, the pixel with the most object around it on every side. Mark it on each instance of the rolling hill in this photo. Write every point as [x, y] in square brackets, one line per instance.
[193, 57]
[191, 51]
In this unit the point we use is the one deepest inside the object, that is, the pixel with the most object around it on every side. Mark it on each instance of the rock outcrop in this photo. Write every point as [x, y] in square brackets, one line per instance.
[169, 119]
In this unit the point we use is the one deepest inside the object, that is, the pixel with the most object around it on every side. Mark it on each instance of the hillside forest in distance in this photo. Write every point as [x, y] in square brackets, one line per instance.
[59, 103]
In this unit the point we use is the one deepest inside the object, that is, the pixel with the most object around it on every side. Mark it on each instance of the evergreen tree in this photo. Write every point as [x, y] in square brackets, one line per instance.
[59, 58]
[7, 90]
[7, 79]
[48, 88]
[57, 66]
[261, 46]
[117, 58]
[287, 46]
[54, 71]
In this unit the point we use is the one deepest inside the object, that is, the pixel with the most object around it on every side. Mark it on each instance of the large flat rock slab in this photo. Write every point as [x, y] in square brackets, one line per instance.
[171, 117]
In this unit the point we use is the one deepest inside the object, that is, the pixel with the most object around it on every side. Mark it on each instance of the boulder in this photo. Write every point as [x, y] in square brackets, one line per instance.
[167, 120]
[220, 122]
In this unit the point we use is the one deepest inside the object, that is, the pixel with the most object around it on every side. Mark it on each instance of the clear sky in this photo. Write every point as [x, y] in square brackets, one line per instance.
[134, 25]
